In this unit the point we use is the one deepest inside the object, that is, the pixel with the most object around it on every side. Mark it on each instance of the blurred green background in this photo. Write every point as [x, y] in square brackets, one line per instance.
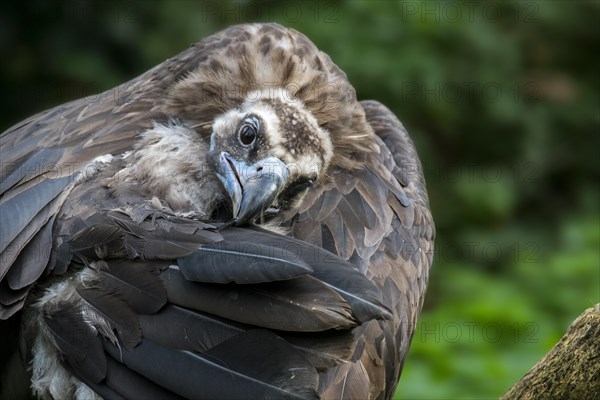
[501, 98]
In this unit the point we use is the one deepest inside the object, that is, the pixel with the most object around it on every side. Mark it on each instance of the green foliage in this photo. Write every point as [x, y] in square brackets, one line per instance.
[500, 97]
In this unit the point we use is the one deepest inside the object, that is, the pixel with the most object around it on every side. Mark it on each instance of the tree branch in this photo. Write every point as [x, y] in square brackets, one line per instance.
[571, 370]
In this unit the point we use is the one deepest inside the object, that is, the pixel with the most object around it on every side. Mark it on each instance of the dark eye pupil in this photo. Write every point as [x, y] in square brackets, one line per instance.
[247, 135]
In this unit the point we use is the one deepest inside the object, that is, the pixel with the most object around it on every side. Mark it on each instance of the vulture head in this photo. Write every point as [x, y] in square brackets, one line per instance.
[256, 153]
[252, 127]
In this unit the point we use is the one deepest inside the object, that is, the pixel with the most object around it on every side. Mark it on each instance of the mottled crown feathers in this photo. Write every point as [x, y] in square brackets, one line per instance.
[269, 57]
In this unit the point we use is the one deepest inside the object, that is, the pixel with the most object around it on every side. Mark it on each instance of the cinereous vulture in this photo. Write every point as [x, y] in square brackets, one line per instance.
[233, 223]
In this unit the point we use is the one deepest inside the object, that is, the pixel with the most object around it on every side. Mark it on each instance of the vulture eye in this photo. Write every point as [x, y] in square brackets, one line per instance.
[247, 134]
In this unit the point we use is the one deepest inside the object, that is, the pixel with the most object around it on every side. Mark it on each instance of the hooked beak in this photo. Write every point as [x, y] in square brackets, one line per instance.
[252, 188]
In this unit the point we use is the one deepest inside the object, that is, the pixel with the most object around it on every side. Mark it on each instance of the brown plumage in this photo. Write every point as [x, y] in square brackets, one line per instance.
[117, 238]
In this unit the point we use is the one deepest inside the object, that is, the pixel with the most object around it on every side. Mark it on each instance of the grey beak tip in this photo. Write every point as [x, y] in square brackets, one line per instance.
[251, 187]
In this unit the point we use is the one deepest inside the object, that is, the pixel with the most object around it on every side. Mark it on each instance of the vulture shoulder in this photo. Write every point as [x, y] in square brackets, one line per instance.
[132, 266]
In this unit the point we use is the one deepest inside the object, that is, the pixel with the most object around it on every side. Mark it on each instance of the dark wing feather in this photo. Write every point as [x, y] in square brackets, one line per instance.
[193, 375]
[102, 389]
[81, 348]
[7, 311]
[137, 283]
[241, 262]
[351, 382]
[19, 210]
[32, 260]
[121, 383]
[284, 367]
[284, 305]
[43, 161]
[18, 244]
[323, 349]
[9, 296]
[115, 311]
[188, 329]
[162, 237]
[131, 385]
[100, 241]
